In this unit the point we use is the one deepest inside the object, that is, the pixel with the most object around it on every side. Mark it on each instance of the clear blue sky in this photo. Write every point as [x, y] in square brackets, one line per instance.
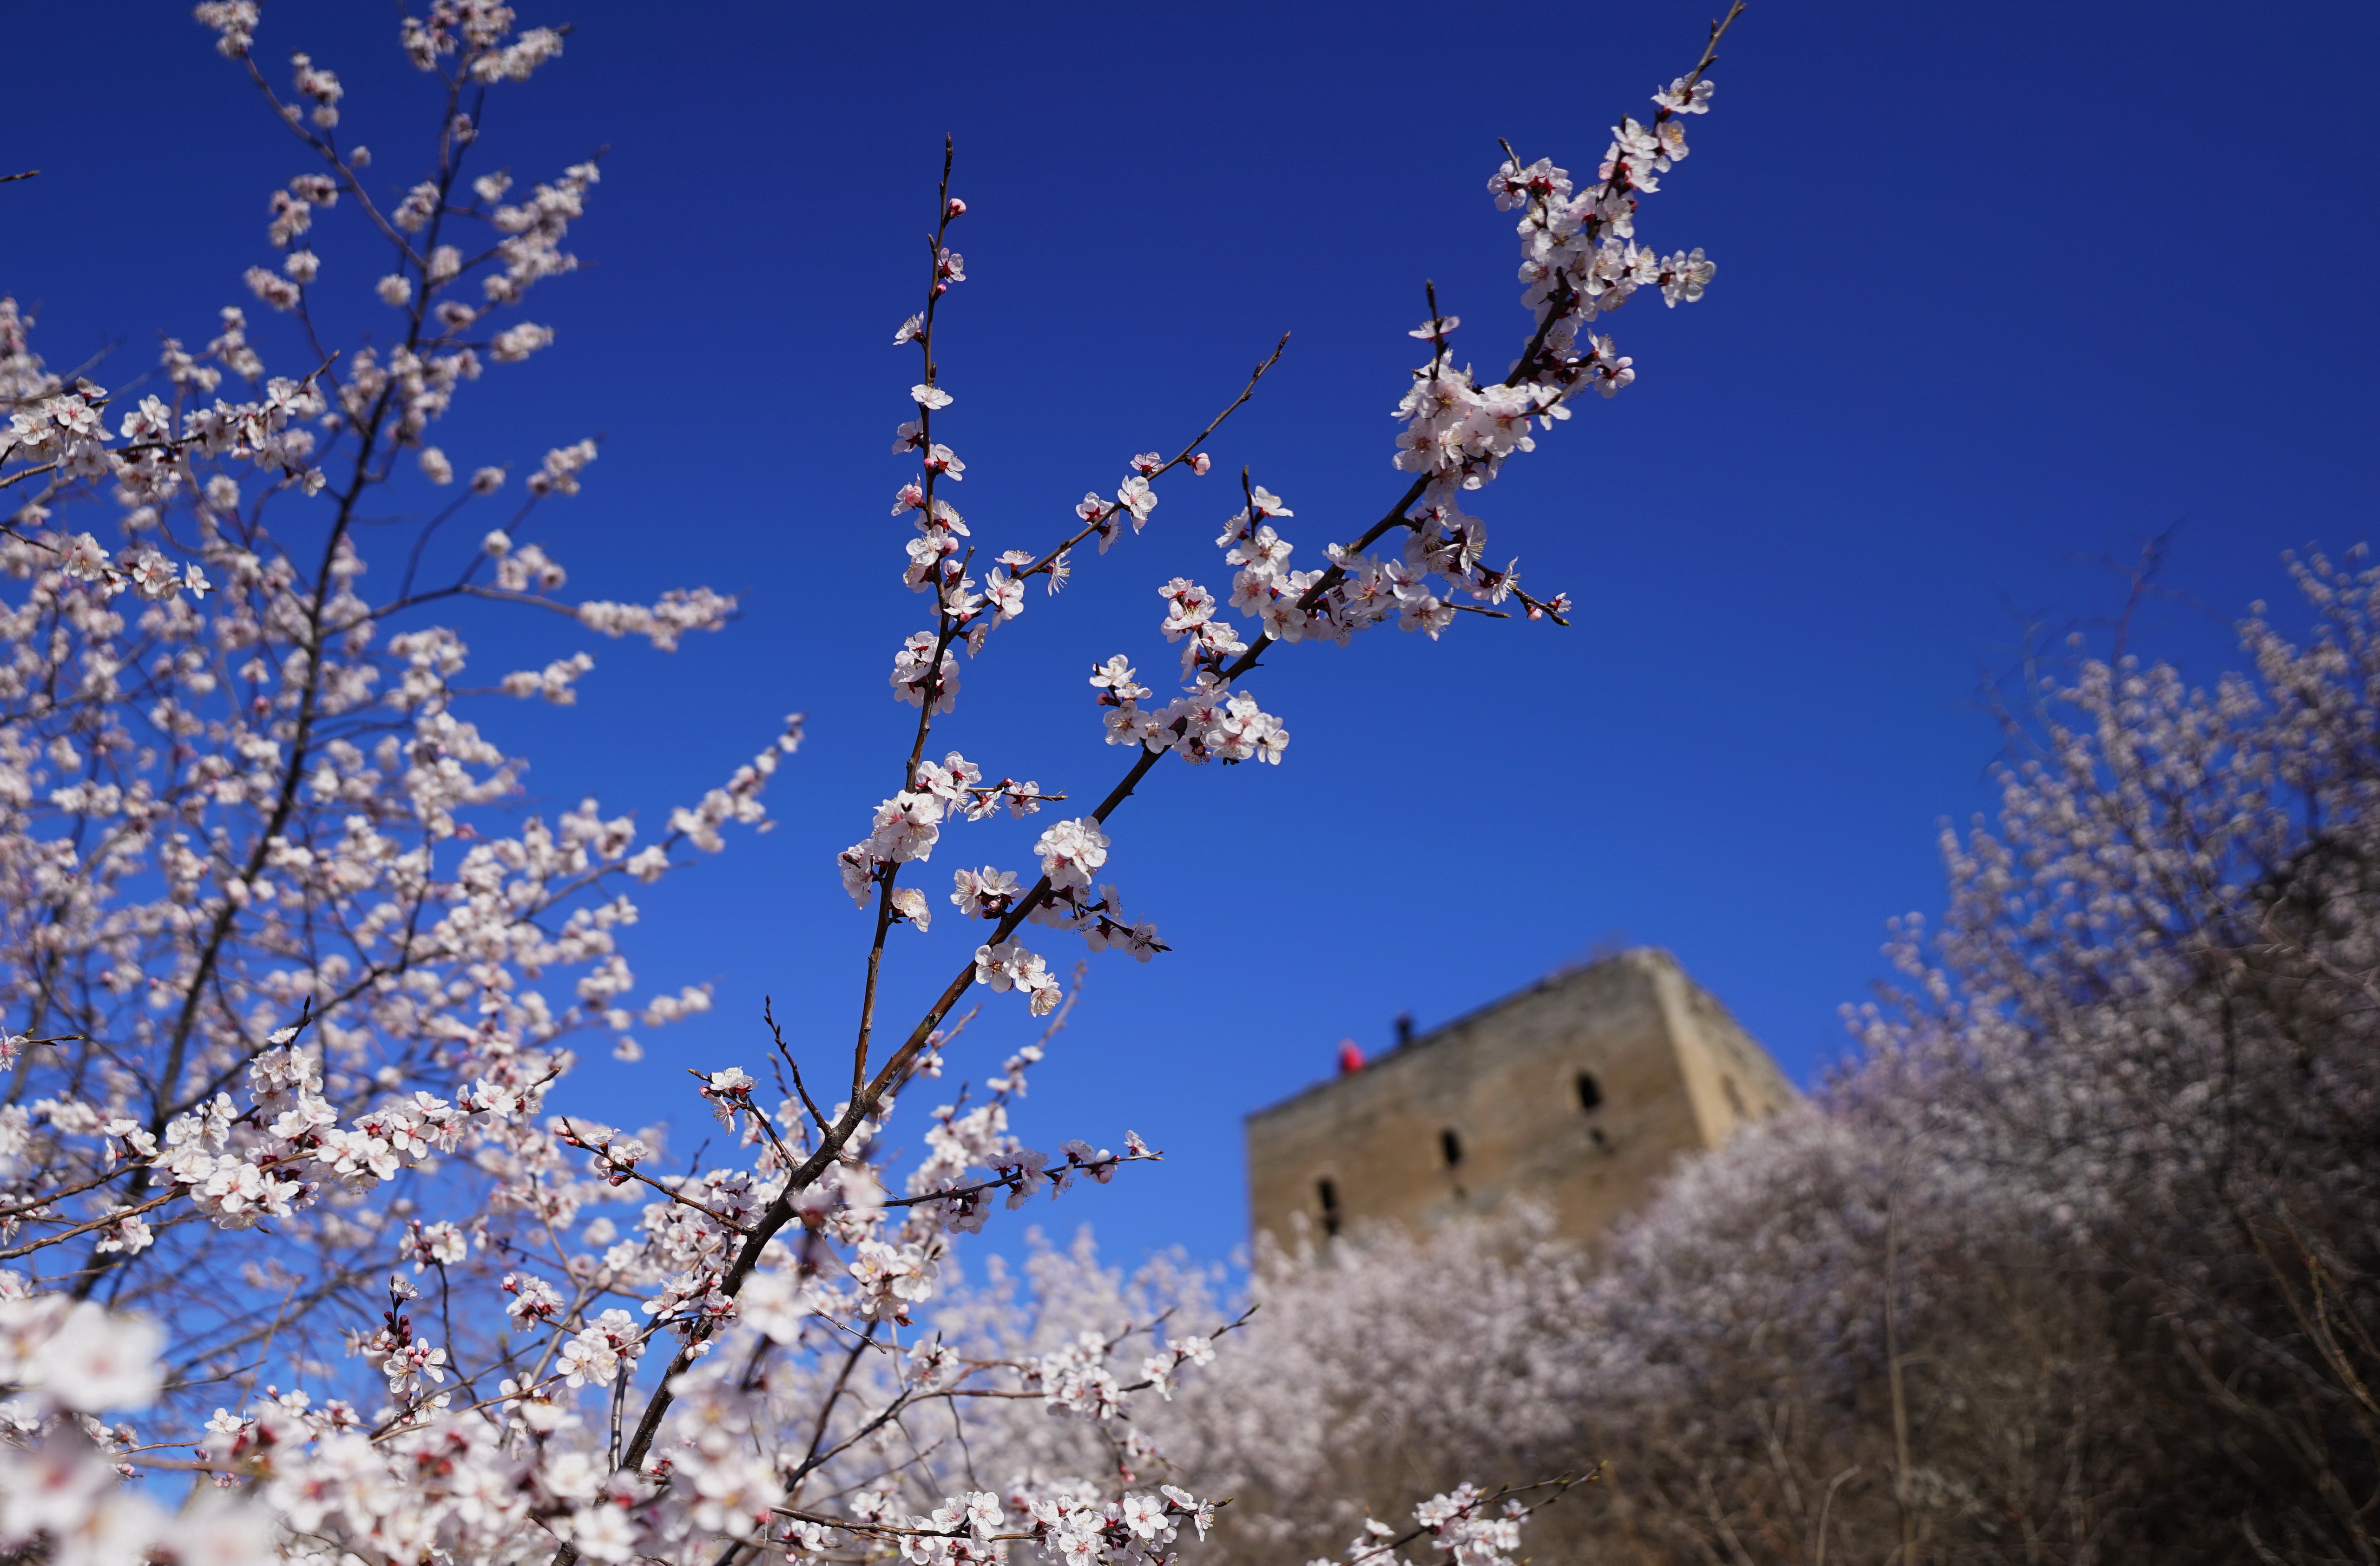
[2002, 287]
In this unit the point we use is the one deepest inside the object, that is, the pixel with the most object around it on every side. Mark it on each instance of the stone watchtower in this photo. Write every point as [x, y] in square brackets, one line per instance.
[1576, 1093]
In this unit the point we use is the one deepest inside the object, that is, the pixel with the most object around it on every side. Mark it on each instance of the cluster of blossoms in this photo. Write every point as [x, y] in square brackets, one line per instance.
[1069, 851]
[69, 1363]
[239, 1168]
[908, 826]
[1459, 1525]
[1580, 259]
[55, 441]
[285, 938]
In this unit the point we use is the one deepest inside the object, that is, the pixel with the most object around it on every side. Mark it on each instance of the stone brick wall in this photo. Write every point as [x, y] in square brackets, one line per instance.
[1576, 1093]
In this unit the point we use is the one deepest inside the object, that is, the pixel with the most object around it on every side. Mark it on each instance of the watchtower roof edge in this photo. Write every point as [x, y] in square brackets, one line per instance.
[1659, 956]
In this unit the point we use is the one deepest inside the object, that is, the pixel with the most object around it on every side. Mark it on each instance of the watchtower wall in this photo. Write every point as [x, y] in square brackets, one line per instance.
[1577, 1094]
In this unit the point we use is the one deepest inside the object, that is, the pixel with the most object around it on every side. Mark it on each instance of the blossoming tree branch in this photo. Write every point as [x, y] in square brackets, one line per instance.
[292, 1201]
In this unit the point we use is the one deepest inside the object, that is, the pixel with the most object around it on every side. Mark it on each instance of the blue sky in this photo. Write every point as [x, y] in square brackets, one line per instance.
[2002, 290]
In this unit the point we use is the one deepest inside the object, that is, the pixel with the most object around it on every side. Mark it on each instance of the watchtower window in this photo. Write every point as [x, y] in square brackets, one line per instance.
[1452, 1147]
[1734, 1099]
[1590, 1092]
[1330, 1194]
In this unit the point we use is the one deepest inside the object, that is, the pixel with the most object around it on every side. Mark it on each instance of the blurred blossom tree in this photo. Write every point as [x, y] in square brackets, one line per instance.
[286, 1153]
